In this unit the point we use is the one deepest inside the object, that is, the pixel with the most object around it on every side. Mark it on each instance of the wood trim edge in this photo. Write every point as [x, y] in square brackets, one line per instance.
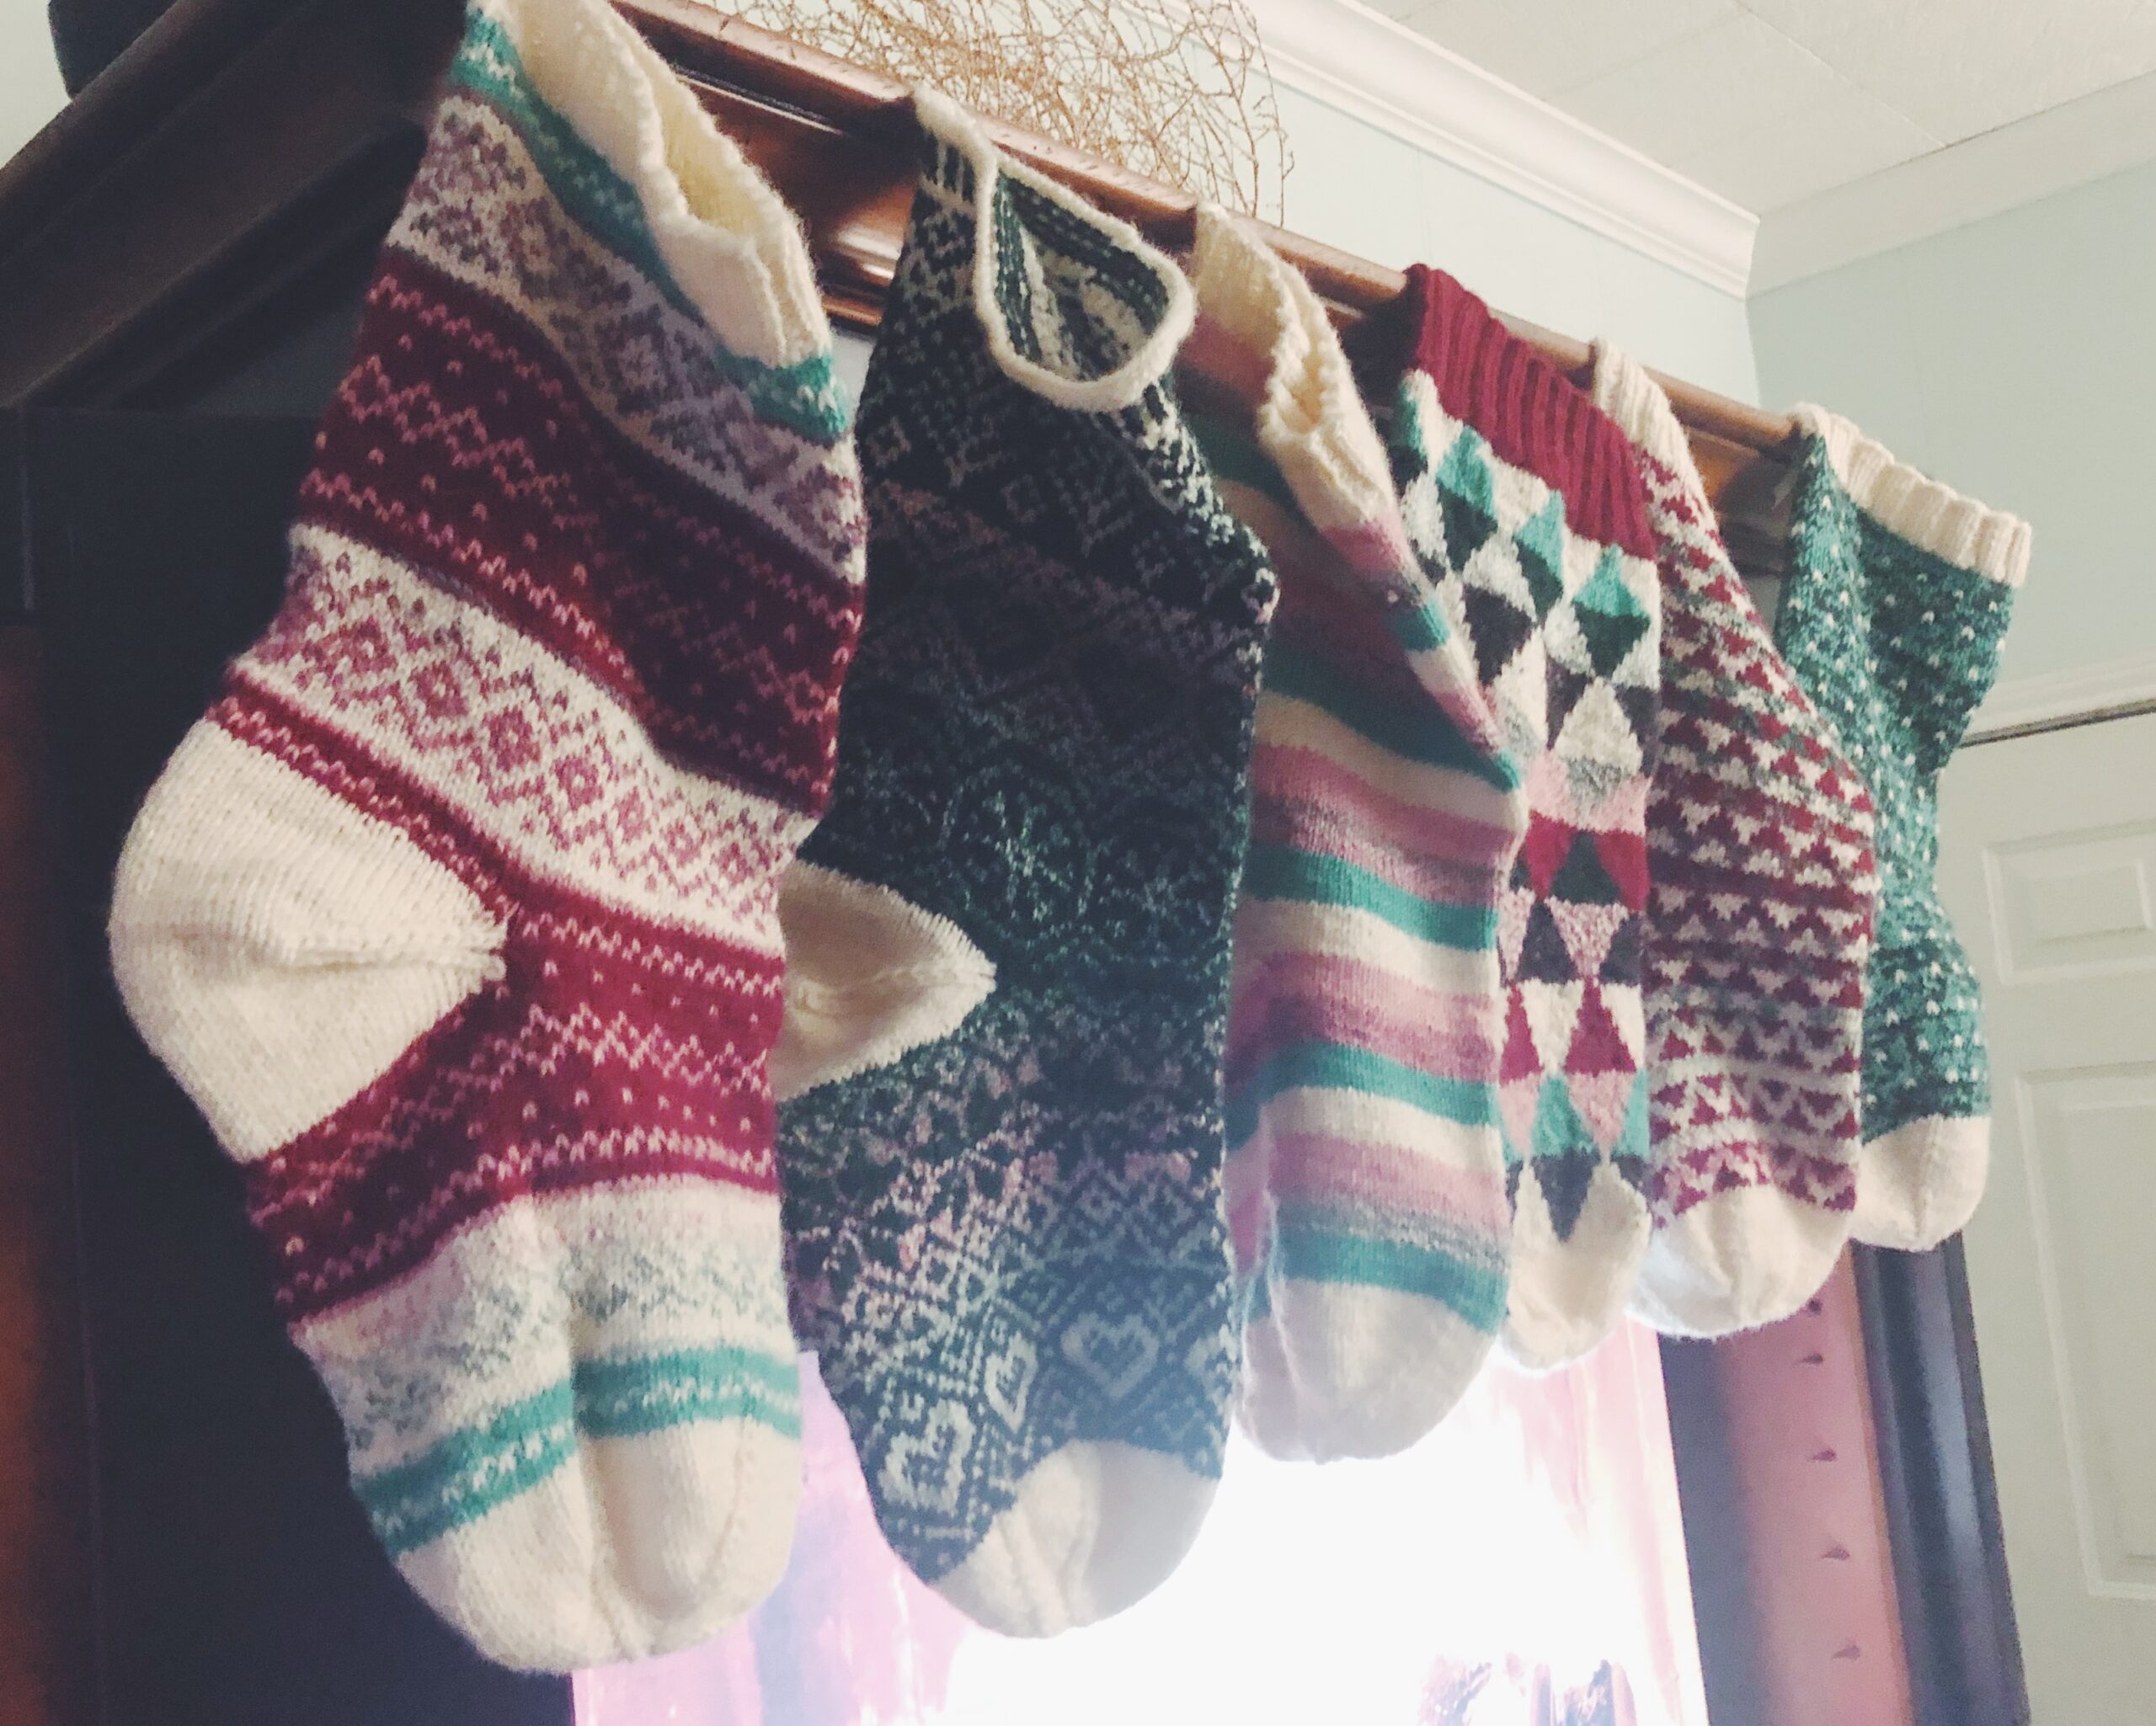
[1949, 1545]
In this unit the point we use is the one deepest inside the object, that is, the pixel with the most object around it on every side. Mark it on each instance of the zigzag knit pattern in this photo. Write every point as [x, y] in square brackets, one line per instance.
[1896, 603]
[1366, 1176]
[1757, 930]
[1526, 508]
[458, 913]
[1009, 1244]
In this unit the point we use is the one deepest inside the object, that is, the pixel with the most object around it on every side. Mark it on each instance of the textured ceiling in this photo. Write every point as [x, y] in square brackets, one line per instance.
[1768, 101]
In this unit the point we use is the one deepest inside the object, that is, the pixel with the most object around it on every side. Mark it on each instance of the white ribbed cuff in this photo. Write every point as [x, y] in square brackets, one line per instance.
[1311, 420]
[1147, 364]
[733, 247]
[1970, 535]
[1627, 392]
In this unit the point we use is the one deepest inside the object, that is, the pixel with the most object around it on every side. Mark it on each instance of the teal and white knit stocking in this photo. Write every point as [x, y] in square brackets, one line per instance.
[1897, 598]
[1008, 1244]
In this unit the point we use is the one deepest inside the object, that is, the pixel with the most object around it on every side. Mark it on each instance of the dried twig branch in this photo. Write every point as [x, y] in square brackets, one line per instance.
[1178, 90]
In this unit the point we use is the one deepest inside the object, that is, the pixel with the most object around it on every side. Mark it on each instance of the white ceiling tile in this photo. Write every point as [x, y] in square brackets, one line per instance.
[1735, 76]
[1544, 45]
[1958, 68]
[1778, 161]
[1770, 101]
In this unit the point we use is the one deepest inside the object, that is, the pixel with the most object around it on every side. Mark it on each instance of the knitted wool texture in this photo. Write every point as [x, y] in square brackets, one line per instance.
[1365, 1173]
[1897, 599]
[1525, 505]
[1009, 1244]
[457, 914]
[1757, 931]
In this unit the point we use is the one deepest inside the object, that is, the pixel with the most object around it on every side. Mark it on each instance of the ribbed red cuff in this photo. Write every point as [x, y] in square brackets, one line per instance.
[1532, 415]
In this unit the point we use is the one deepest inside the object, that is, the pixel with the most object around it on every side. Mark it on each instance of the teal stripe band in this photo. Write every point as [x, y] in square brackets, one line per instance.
[472, 1472]
[466, 1475]
[1418, 628]
[1274, 872]
[624, 1398]
[804, 397]
[1328, 1066]
[1422, 735]
[1474, 1291]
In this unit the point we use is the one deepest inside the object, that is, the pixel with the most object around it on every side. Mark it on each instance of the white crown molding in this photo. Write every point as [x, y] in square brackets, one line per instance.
[2018, 702]
[2052, 152]
[1383, 73]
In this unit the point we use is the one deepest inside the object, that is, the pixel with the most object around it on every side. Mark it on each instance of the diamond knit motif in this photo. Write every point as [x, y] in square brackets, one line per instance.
[1898, 601]
[1757, 930]
[458, 913]
[1525, 508]
[1008, 1244]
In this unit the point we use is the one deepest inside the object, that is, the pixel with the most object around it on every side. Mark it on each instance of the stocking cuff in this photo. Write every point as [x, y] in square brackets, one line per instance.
[1625, 391]
[725, 242]
[1054, 349]
[1971, 536]
[1308, 415]
[1534, 415]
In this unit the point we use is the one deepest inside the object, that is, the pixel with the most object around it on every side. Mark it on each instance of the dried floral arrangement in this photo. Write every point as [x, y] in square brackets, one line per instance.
[1176, 90]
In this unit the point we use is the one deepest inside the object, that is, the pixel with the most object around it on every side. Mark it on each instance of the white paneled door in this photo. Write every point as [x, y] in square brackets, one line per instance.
[2047, 863]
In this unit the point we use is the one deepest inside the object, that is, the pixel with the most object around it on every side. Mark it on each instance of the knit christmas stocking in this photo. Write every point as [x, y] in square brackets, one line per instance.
[1365, 1173]
[1009, 1244]
[1757, 930]
[1897, 600]
[457, 914]
[1524, 504]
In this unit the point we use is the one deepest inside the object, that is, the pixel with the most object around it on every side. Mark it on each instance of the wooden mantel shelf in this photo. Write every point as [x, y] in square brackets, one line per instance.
[834, 139]
[243, 147]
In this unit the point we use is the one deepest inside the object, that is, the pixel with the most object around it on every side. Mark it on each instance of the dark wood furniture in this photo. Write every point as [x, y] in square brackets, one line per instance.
[200, 1560]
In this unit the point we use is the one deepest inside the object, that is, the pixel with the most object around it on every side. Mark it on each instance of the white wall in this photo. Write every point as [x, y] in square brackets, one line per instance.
[30, 90]
[2015, 358]
[1370, 193]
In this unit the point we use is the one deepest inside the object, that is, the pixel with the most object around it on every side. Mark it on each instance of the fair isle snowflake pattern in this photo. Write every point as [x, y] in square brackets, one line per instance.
[458, 914]
[1009, 1243]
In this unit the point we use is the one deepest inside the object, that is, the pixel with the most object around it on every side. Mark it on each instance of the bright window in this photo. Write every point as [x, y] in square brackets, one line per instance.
[1522, 1566]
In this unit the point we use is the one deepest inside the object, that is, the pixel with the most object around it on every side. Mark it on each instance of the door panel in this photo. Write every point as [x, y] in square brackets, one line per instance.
[2088, 1138]
[2048, 864]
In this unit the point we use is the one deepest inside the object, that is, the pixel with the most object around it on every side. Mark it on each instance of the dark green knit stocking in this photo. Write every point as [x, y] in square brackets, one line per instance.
[1009, 1244]
[1895, 605]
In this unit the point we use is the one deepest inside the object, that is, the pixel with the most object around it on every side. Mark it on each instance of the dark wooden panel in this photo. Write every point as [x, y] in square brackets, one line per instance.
[239, 148]
[239, 1585]
[1727, 1604]
[89, 34]
[46, 1653]
[1941, 1496]
[187, 47]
